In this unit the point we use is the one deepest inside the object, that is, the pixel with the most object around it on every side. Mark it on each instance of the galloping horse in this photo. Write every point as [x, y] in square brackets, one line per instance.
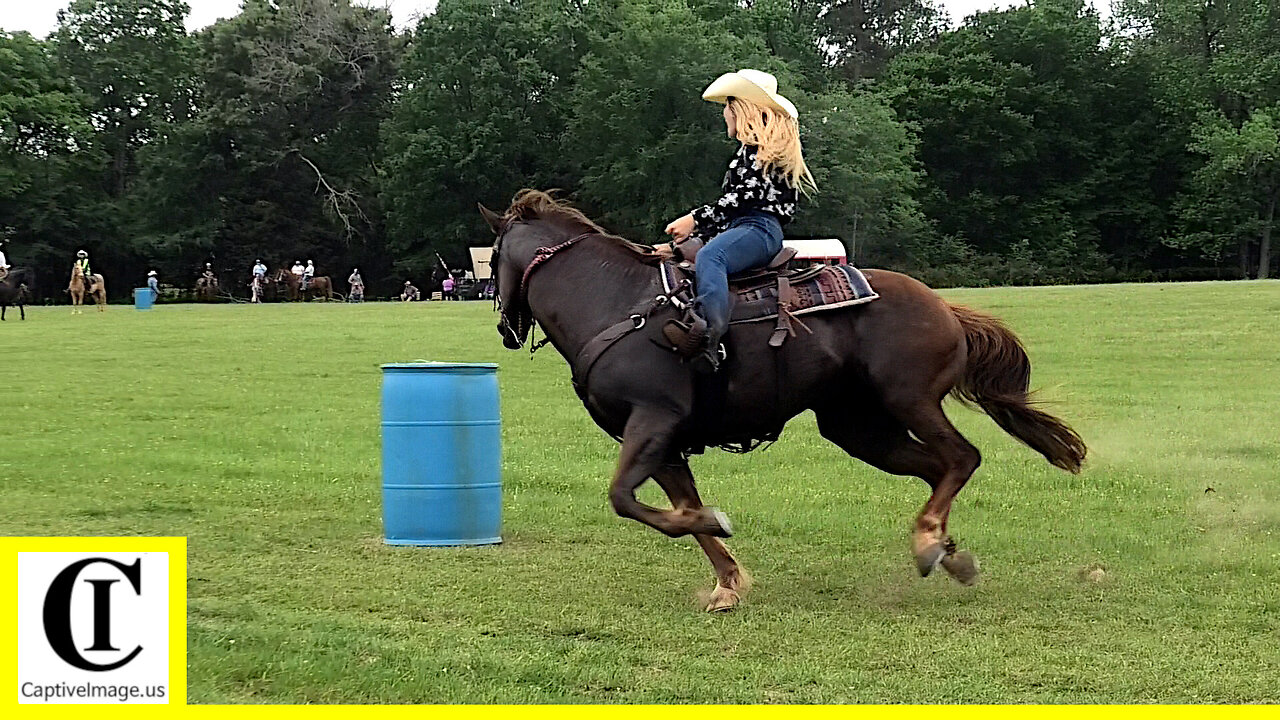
[97, 288]
[320, 286]
[874, 374]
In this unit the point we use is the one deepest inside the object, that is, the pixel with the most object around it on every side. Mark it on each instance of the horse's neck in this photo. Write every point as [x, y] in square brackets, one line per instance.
[590, 288]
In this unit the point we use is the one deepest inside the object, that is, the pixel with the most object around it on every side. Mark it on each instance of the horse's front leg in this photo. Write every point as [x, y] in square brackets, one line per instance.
[645, 445]
[731, 580]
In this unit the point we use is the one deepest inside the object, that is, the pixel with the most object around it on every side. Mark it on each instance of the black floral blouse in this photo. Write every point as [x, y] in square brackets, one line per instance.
[746, 187]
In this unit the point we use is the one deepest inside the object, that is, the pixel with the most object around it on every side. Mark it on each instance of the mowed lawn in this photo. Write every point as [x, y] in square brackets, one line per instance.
[254, 431]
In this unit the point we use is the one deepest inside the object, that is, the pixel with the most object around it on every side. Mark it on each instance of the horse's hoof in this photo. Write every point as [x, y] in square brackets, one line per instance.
[726, 530]
[722, 600]
[962, 566]
[928, 558]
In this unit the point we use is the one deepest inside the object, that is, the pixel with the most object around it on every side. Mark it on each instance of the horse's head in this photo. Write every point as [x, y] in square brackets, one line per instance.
[534, 220]
[514, 318]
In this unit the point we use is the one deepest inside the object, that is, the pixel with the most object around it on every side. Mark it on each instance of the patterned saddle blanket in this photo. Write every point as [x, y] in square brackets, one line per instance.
[833, 286]
[809, 290]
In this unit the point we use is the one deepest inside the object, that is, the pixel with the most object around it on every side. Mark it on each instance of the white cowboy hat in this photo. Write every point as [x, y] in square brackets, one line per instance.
[82, 254]
[754, 85]
[151, 274]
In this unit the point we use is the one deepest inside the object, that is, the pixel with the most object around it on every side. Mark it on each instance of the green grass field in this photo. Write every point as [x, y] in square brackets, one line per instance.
[254, 431]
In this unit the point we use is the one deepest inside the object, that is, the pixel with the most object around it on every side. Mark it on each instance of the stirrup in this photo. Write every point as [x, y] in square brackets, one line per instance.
[708, 361]
[688, 338]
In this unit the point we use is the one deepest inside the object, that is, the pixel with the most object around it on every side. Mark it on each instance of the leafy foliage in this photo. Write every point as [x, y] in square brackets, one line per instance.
[1031, 145]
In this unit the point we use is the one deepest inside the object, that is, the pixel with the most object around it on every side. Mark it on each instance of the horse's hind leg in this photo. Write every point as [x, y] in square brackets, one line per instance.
[937, 454]
[645, 444]
[731, 580]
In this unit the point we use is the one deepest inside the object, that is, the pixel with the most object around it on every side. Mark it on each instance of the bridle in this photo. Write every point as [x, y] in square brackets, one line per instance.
[586, 357]
[521, 298]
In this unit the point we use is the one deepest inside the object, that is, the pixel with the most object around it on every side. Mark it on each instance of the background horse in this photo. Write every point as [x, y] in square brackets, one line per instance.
[206, 289]
[15, 290]
[97, 289]
[874, 374]
[321, 285]
[290, 282]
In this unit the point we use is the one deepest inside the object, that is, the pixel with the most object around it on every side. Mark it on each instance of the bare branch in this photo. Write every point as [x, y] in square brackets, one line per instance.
[342, 203]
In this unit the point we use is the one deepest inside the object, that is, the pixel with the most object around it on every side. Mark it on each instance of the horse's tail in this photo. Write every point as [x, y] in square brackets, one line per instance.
[996, 378]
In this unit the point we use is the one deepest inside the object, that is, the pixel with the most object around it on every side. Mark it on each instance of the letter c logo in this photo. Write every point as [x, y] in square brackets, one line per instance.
[57, 613]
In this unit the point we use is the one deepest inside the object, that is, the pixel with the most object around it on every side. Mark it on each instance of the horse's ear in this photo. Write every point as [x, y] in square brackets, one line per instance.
[494, 219]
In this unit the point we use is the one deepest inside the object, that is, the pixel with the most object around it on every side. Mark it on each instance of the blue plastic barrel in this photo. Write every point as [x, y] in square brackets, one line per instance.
[441, 454]
[143, 298]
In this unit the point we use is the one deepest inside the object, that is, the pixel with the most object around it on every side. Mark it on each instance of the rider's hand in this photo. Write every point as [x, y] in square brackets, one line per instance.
[665, 251]
[681, 227]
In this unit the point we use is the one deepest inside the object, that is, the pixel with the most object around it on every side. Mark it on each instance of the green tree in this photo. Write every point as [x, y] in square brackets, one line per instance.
[132, 59]
[1218, 64]
[47, 157]
[1234, 194]
[645, 145]
[864, 162]
[281, 160]
[480, 116]
[1017, 115]
[864, 35]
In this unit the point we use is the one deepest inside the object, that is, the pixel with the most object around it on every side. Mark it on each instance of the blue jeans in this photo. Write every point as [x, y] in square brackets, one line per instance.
[750, 241]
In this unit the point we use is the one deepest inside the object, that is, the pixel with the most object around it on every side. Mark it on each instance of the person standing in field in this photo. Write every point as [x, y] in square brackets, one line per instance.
[357, 286]
[153, 282]
[447, 287]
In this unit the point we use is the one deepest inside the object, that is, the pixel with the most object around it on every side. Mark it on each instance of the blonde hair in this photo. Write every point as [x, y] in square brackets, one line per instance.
[777, 137]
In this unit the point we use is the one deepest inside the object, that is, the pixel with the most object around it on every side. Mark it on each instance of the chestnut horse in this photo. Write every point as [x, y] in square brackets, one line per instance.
[321, 286]
[874, 374]
[97, 289]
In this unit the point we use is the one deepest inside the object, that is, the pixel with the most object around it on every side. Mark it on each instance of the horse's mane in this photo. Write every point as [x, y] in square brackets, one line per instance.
[530, 204]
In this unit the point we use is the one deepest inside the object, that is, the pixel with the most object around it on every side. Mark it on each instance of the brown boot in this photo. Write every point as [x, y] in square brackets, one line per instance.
[688, 337]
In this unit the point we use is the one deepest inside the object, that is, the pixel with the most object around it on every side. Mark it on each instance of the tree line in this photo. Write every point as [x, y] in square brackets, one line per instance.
[1025, 146]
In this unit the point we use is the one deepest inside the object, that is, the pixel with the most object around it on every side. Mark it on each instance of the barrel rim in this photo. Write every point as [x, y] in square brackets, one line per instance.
[439, 366]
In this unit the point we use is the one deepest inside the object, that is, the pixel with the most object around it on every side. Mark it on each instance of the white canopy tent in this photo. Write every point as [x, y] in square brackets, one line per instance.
[480, 257]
